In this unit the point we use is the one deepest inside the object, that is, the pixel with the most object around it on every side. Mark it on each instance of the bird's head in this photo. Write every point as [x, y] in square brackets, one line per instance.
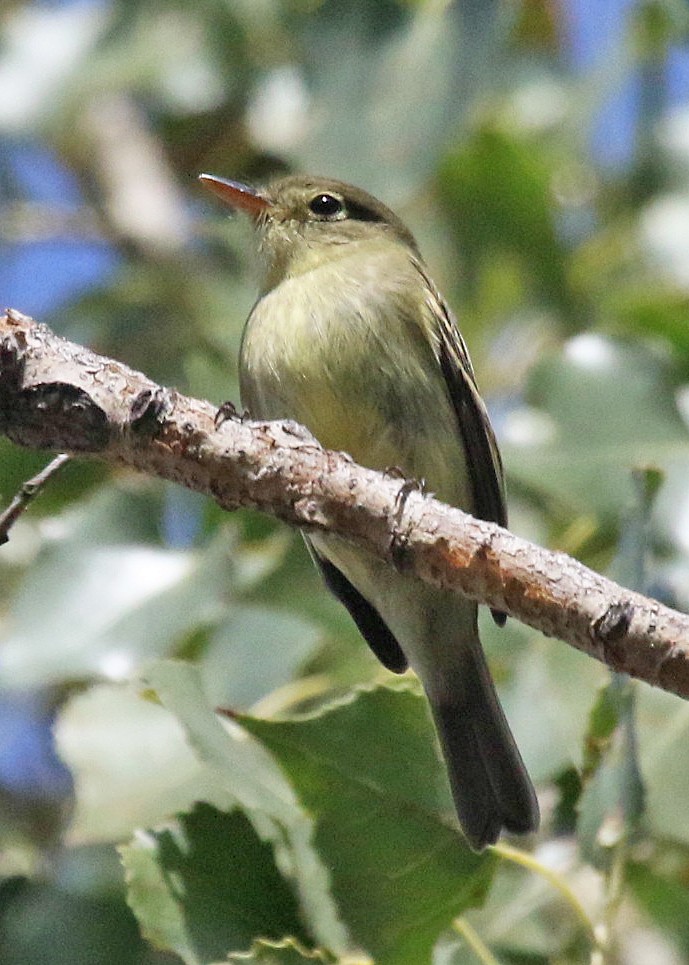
[304, 221]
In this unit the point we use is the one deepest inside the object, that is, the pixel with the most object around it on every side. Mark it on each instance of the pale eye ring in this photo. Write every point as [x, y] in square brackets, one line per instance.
[326, 206]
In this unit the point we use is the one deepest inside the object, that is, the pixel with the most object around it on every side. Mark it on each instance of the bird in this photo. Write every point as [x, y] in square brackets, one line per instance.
[351, 338]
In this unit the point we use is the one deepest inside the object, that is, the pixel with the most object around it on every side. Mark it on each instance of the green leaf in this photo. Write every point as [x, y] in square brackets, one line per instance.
[665, 901]
[96, 612]
[629, 566]
[106, 597]
[613, 800]
[207, 885]
[253, 651]
[586, 441]
[17, 465]
[254, 781]
[663, 738]
[498, 191]
[102, 595]
[150, 897]
[73, 913]
[648, 308]
[413, 73]
[130, 761]
[611, 704]
[368, 770]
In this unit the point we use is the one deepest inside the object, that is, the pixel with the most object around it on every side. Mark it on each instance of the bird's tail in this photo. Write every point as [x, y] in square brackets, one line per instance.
[490, 785]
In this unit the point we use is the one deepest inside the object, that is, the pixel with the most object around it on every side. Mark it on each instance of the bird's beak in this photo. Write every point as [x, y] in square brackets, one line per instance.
[236, 195]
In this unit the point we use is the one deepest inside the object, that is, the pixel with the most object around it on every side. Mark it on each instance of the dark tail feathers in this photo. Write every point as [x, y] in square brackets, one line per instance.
[490, 785]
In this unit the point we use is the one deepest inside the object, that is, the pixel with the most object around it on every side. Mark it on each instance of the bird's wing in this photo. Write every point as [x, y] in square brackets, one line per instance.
[484, 464]
[483, 458]
[371, 626]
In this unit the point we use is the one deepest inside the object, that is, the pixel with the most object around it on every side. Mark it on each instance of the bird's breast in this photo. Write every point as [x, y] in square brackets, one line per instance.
[353, 362]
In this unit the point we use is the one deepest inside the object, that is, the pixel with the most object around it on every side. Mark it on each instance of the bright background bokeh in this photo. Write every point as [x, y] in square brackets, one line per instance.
[539, 150]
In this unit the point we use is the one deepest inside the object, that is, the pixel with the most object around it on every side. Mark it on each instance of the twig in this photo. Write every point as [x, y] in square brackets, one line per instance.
[475, 942]
[525, 860]
[27, 492]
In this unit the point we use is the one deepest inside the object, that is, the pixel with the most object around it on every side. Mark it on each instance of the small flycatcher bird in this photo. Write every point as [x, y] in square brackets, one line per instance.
[351, 338]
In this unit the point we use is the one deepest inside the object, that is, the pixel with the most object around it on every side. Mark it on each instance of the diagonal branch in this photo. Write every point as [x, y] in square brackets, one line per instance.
[60, 396]
[28, 492]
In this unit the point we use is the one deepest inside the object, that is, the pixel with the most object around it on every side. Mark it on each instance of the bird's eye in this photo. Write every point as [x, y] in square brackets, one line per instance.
[326, 206]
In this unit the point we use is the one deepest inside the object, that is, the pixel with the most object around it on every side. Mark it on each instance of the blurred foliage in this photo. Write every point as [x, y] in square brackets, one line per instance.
[311, 820]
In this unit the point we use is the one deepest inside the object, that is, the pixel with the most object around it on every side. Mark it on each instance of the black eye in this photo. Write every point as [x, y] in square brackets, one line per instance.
[326, 206]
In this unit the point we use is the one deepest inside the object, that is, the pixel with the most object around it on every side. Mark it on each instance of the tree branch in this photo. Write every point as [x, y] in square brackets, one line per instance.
[60, 396]
[27, 493]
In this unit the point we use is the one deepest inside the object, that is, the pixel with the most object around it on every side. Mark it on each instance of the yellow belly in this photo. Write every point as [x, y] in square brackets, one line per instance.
[372, 390]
